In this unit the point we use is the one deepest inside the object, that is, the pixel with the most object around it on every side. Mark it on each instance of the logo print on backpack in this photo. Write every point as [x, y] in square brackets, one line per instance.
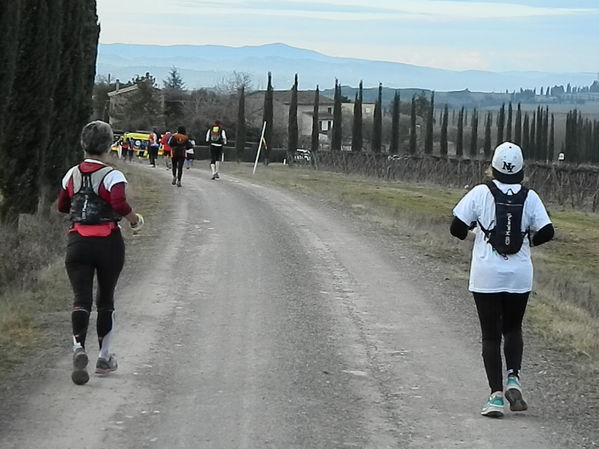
[504, 233]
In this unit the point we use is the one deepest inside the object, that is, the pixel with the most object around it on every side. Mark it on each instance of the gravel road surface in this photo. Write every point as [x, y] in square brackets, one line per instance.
[249, 317]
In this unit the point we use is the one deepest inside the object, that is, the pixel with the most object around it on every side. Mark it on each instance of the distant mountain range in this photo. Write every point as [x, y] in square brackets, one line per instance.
[207, 65]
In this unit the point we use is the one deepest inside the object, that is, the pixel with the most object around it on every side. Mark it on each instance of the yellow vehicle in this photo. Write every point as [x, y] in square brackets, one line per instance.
[139, 141]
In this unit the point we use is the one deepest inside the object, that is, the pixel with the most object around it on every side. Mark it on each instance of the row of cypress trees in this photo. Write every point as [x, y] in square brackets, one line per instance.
[48, 50]
[534, 132]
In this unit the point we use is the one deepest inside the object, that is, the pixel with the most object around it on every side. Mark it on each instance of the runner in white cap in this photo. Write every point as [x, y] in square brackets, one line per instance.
[510, 219]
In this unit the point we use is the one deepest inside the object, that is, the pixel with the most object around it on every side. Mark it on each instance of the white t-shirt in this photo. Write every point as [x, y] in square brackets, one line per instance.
[491, 272]
[112, 178]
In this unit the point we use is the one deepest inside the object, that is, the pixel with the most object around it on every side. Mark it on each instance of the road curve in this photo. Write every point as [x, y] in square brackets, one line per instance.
[255, 318]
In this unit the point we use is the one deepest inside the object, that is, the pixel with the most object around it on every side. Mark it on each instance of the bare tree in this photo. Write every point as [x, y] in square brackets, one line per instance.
[231, 84]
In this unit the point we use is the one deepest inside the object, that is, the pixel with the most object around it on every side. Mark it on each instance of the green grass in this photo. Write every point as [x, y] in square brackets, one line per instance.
[565, 306]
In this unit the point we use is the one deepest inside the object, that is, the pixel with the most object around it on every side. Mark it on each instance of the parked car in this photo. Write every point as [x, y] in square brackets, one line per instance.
[302, 155]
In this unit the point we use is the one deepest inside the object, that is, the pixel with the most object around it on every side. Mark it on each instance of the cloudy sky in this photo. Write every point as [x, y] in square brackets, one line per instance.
[500, 35]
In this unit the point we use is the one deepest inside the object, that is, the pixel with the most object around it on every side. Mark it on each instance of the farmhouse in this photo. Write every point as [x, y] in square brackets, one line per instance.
[305, 110]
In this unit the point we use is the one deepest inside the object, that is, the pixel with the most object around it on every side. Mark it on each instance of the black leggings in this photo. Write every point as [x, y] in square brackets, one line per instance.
[178, 163]
[86, 256]
[501, 314]
[215, 153]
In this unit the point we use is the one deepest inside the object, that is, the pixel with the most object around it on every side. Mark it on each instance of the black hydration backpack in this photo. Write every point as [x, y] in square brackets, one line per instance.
[86, 205]
[506, 236]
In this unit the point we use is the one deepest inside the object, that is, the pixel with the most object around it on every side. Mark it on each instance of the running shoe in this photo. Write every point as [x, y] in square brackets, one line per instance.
[104, 366]
[513, 394]
[217, 175]
[174, 181]
[213, 175]
[178, 183]
[493, 408]
[80, 359]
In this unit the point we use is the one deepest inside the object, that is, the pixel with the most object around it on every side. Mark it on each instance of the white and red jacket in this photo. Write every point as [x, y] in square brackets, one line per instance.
[111, 190]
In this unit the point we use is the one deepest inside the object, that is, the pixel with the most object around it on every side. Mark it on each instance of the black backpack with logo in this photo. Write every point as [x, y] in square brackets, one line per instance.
[86, 205]
[506, 236]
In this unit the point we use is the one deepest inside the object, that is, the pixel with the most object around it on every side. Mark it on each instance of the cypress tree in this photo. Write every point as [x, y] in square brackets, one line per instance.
[292, 132]
[315, 141]
[525, 138]
[356, 141]
[545, 134]
[10, 18]
[377, 126]
[443, 147]
[508, 131]
[428, 140]
[595, 142]
[487, 142]
[540, 150]
[49, 73]
[394, 148]
[79, 37]
[532, 142]
[337, 118]
[571, 140]
[551, 145]
[518, 127]
[459, 148]
[267, 117]
[27, 113]
[474, 135]
[413, 141]
[500, 124]
[240, 137]
[52, 160]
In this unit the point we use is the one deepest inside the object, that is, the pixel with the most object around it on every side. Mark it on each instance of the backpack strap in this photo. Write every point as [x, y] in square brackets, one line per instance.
[496, 194]
[90, 179]
[499, 196]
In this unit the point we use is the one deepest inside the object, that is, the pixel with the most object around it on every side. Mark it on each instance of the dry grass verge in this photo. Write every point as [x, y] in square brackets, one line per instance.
[565, 309]
[35, 294]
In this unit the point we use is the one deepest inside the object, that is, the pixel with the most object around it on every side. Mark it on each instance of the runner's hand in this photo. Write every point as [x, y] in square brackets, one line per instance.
[139, 223]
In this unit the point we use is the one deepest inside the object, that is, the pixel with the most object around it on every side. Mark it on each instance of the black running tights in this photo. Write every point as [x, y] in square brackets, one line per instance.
[86, 257]
[501, 314]
[178, 163]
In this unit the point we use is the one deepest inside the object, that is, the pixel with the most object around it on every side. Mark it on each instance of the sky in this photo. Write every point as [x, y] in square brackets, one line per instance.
[500, 35]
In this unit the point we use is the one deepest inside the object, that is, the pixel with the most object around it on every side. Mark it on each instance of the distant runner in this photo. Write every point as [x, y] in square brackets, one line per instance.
[511, 218]
[189, 153]
[166, 149]
[94, 195]
[217, 137]
[179, 144]
[154, 145]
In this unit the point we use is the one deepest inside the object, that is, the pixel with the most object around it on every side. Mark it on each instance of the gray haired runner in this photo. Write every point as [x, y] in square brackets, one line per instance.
[93, 193]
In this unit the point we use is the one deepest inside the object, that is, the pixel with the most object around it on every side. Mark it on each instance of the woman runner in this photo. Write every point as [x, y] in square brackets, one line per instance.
[93, 193]
[501, 281]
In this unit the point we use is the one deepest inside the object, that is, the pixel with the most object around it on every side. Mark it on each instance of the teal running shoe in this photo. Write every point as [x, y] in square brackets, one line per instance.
[513, 393]
[493, 408]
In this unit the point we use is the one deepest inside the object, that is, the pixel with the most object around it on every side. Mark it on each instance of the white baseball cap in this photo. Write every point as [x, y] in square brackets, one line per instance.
[508, 161]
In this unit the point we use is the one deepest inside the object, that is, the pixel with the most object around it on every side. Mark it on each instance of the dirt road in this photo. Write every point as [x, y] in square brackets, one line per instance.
[253, 318]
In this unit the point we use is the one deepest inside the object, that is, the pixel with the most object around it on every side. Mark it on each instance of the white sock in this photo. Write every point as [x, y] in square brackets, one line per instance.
[107, 341]
[217, 166]
[213, 167]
